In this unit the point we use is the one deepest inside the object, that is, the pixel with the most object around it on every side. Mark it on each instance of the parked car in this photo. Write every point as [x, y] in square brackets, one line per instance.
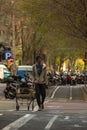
[4, 72]
[23, 70]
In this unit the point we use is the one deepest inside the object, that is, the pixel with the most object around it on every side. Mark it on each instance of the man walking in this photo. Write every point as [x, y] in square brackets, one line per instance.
[40, 81]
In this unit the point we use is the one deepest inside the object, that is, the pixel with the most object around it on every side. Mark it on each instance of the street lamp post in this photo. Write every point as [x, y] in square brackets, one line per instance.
[13, 38]
[13, 35]
[13, 30]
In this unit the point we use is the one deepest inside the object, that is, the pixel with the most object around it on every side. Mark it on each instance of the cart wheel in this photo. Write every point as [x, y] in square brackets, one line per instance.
[32, 107]
[17, 108]
[28, 108]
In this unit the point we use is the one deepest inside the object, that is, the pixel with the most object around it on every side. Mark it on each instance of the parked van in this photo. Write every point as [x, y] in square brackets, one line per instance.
[4, 72]
[22, 70]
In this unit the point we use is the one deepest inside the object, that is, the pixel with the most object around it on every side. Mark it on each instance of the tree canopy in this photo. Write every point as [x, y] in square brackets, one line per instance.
[58, 27]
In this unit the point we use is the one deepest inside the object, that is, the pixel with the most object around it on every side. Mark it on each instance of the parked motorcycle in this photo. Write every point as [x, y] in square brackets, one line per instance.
[13, 82]
[73, 80]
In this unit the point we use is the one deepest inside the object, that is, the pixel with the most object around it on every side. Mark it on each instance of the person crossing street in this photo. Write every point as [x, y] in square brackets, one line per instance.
[40, 81]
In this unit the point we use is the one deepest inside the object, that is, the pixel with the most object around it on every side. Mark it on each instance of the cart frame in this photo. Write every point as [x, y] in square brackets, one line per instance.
[29, 97]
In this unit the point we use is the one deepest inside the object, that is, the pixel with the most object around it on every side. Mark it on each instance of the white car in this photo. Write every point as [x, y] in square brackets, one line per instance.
[22, 70]
[4, 72]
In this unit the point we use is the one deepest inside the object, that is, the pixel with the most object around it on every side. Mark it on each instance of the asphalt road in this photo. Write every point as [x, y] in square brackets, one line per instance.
[70, 93]
[44, 120]
[65, 109]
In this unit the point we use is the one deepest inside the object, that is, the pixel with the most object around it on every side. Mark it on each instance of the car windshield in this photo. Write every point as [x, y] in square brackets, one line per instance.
[24, 68]
[5, 69]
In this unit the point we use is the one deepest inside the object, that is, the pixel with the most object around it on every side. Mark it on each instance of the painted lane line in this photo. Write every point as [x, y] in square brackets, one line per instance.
[50, 123]
[35, 109]
[11, 110]
[19, 123]
[1, 114]
[7, 110]
[84, 121]
[70, 92]
[66, 118]
[77, 125]
[54, 92]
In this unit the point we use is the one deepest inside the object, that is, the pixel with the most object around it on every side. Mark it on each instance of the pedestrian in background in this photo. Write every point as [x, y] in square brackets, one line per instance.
[40, 81]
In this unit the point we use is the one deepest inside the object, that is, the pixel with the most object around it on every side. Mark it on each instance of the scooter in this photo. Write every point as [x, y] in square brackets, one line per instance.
[13, 83]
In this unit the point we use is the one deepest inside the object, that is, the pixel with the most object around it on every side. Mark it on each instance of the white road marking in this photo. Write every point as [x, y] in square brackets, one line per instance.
[7, 110]
[77, 125]
[50, 123]
[19, 123]
[66, 118]
[54, 92]
[1, 114]
[35, 109]
[70, 92]
[11, 110]
[84, 121]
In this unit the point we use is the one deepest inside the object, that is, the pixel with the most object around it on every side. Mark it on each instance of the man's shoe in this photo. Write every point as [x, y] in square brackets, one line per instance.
[42, 106]
[40, 109]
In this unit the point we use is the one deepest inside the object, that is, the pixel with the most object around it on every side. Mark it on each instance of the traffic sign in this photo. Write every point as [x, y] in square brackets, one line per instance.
[7, 54]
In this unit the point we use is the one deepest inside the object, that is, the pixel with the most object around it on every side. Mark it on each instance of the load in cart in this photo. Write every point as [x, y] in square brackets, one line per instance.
[25, 94]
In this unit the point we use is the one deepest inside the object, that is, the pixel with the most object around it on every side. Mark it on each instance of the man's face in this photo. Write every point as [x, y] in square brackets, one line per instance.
[39, 60]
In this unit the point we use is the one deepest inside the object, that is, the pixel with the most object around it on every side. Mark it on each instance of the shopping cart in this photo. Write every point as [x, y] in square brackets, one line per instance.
[25, 95]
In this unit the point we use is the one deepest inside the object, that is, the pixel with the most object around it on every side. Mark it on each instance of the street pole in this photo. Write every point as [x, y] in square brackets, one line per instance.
[13, 29]
[13, 40]
[13, 35]
[22, 42]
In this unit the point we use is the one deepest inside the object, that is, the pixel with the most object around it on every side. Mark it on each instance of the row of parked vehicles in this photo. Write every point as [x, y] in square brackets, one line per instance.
[23, 78]
[57, 78]
[21, 71]
[20, 86]
[66, 78]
